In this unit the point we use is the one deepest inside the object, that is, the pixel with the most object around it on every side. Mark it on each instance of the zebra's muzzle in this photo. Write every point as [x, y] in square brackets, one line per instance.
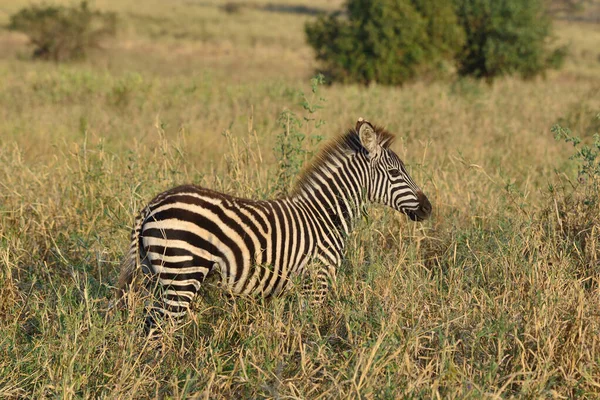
[424, 210]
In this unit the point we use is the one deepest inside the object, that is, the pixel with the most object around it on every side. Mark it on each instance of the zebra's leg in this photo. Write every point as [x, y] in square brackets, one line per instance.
[175, 292]
[317, 286]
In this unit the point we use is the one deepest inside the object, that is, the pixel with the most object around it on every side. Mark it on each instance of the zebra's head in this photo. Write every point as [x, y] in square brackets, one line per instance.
[390, 183]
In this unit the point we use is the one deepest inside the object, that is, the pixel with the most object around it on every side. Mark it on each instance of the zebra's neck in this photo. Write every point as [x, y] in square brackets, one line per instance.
[333, 186]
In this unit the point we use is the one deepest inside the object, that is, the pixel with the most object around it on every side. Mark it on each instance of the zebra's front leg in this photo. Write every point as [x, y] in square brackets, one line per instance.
[316, 285]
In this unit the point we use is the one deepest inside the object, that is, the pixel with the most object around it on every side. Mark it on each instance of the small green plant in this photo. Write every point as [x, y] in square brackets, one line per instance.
[295, 146]
[576, 209]
[62, 33]
[506, 37]
[587, 156]
[386, 41]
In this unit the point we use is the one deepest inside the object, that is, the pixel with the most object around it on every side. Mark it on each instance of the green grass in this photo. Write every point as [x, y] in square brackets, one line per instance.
[496, 295]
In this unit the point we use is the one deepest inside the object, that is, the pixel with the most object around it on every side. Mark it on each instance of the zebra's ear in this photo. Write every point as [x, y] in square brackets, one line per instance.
[368, 137]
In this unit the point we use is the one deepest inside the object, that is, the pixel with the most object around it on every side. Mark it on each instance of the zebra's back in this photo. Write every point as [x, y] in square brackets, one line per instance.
[256, 245]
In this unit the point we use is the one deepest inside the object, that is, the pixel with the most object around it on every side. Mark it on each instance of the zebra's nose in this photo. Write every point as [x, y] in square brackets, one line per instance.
[424, 203]
[424, 210]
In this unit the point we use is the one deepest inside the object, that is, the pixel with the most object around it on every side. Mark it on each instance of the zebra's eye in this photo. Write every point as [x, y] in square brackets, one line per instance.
[394, 172]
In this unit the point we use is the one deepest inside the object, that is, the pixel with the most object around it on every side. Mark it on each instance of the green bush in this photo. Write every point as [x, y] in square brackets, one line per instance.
[506, 37]
[388, 41]
[63, 33]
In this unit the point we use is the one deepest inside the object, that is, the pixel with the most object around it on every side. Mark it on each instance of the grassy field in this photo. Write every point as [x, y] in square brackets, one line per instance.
[497, 295]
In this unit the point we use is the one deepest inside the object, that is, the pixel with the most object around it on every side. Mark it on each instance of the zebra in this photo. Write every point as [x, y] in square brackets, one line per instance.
[257, 247]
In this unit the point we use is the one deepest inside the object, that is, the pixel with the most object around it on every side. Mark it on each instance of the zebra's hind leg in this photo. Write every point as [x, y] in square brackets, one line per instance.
[175, 290]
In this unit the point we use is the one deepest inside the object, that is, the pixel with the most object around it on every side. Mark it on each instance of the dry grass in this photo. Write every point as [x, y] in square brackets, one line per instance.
[496, 296]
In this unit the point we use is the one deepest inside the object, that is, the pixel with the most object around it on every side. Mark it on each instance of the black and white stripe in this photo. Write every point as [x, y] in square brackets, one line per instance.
[257, 246]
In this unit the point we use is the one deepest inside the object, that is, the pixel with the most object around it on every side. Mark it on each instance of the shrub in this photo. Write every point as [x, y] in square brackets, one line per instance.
[506, 37]
[573, 212]
[388, 41]
[63, 33]
[295, 144]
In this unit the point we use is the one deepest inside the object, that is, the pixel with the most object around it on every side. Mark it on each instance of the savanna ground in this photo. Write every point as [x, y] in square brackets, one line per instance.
[496, 295]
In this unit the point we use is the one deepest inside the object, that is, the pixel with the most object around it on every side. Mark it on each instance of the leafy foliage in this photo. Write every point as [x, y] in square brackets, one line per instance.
[587, 157]
[394, 41]
[386, 41]
[293, 146]
[576, 209]
[506, 37]
[62, 33]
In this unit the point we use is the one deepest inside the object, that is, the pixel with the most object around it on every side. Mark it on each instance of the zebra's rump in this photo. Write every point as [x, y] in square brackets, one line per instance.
[189, 230]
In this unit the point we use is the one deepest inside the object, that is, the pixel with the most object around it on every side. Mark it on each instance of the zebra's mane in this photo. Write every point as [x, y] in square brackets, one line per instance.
[338, 149]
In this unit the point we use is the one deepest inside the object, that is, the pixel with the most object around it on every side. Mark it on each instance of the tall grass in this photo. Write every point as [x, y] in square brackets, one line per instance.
[496, 296]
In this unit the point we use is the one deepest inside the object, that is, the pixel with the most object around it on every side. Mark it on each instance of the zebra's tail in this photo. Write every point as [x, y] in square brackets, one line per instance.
[130, 262]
